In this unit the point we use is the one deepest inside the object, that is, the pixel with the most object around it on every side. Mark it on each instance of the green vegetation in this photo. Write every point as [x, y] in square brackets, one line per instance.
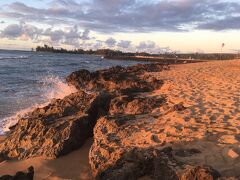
[103, 52]
[116, 53]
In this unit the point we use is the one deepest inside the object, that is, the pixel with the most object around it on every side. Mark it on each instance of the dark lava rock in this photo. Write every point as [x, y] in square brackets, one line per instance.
[139, 162]
[200, 173]
[186, 152]
[119, 153]
[27, 175]
[179, 107]
[126, 80]
[56, 129]
[112, 156]
[152, 162]
[134, 105]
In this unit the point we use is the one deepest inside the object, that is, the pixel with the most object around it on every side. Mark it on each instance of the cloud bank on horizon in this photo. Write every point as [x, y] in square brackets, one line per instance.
[71, 22]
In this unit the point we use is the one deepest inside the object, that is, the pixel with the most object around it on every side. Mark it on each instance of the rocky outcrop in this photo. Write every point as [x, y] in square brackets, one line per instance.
[65, 124]
[199, 173]
[131, 137]
[56, 129]
[115, 138]
[126, 80]
[156, 163]
[129, 147]
[133, 104]
[139, 162]
[21, 175]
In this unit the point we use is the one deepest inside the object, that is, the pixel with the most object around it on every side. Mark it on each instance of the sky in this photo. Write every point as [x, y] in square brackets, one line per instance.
[155, 26]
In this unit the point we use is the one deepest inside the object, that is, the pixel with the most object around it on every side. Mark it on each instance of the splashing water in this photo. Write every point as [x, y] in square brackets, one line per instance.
[8, 122]
[24, 85]
[55, 88]
[52, 88]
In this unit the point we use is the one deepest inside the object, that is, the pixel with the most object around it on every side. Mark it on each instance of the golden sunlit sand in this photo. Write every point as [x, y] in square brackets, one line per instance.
[211, 123]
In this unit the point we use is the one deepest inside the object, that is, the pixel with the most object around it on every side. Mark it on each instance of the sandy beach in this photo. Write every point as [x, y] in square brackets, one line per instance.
[72, 166]
[210, 123]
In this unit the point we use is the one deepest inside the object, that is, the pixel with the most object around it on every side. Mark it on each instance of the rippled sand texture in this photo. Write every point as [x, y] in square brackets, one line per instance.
[211, 122]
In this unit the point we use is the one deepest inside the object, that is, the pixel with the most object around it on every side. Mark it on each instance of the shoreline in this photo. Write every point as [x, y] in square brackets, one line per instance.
[169, 61]
[191, 111]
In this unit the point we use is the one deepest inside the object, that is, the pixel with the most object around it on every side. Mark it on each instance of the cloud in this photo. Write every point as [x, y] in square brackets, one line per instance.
[70, 36]
[97, 45]
[110, 42]
[54, 35]
[85, 34]
[219, 25]
[73, 36]
[124, 44]
[14, 31]
[146, 45]
[132, 16]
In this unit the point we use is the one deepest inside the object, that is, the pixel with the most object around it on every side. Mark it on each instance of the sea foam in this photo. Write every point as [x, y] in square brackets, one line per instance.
[53, 88]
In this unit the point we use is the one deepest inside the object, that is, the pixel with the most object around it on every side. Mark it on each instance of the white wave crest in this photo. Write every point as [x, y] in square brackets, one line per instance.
[8, 122]
[53, 88]
[14, 57]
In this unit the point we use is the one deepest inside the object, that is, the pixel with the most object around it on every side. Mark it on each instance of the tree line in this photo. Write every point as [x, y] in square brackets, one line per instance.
[117, 53]
[103, 52]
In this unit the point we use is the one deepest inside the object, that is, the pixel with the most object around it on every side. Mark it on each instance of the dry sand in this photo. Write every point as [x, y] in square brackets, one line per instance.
[211, 123]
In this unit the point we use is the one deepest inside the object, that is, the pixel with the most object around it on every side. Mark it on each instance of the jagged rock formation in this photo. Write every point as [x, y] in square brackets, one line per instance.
[200, 172]
[126, 80]
[133, 104]
[65, 124]
[130, 146]
[56, 129]
[129, 136]
[21, 175]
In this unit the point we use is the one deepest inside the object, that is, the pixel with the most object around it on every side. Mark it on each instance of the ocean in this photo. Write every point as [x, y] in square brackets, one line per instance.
[31, 79]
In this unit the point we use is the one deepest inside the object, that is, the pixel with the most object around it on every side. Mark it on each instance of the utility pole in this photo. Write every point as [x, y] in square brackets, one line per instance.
[223, 44]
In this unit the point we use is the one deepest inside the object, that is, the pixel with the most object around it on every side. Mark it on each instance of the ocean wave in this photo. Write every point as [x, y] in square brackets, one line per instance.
[52, 88]
[14, 57]
[55, 88]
